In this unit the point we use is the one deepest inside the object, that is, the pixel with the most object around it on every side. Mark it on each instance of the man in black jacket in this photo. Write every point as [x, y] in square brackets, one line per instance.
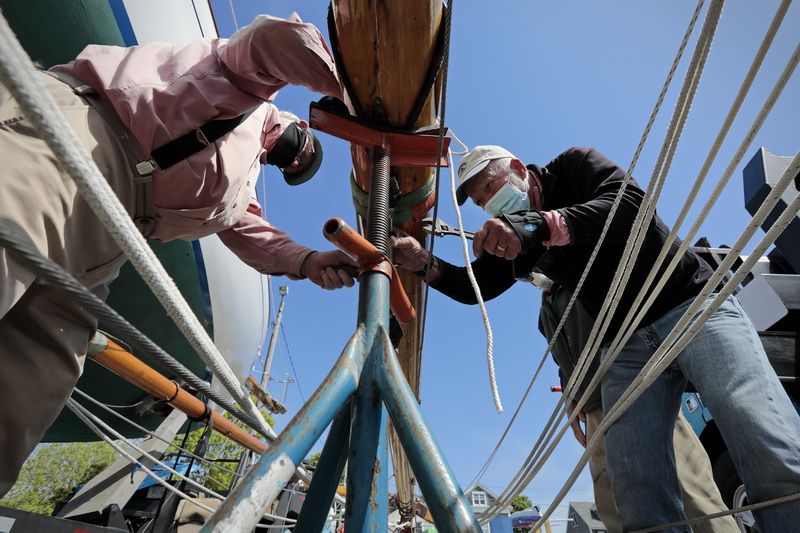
[550, 218]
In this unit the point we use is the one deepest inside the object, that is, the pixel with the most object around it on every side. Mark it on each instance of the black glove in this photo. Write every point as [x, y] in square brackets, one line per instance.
[530, 227]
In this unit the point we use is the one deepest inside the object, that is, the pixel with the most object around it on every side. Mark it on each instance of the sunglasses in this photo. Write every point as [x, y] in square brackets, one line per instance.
[304, 157]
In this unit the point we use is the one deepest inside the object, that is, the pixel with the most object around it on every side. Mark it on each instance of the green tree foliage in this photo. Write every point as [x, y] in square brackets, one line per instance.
[53, 470]
[521, 503]
[314, 459]
[219, 449]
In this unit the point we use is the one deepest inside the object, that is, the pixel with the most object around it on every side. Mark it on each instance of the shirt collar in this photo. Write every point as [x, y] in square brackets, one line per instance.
[535, 190]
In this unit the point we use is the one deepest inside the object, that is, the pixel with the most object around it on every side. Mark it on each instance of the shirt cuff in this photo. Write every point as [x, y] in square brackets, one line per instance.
[289, 259]
[559, 231]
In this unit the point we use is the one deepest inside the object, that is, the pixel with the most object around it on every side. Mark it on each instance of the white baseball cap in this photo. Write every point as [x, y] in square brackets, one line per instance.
[475, 161]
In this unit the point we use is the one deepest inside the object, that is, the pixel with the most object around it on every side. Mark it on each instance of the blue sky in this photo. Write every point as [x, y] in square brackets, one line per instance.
[536, 78]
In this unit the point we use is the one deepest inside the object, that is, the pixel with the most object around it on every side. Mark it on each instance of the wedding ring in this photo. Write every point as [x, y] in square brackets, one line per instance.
[501, 248]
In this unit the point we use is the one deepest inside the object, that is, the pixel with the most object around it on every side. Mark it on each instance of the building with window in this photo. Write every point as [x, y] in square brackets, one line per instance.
[583, 518]
[480, 498]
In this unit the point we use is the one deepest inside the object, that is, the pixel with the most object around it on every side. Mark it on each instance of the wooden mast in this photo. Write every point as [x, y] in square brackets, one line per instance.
[385, 50]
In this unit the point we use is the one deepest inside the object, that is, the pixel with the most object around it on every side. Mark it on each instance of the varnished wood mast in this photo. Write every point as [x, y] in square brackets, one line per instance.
[386, 48]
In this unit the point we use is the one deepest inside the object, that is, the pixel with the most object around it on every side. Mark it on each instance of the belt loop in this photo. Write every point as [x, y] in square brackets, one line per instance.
[142, 170]
[143, 198]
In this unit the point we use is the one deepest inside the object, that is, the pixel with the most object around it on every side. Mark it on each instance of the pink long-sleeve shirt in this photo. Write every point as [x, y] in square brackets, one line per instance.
[559, 231]
[161, 92]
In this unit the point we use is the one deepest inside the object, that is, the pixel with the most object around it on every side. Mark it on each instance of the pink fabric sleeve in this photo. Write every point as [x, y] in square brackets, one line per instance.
[263, 246]
[270, 52]
[559, 231]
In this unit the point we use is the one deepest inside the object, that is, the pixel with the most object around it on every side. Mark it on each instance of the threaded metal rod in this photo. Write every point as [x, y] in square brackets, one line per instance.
[378, 209]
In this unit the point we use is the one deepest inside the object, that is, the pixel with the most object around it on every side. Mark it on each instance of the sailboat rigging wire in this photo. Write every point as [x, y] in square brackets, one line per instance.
[646, 210]
[291, 361]
[448, 18]
[17, 73]
[76, 408]
[152, 433]
[197, 18]
[738, 510]
[618, 343]
[93, 421]
[233, 14]
[764, 111]
[645, 135]
[27, 254]
[691, 323]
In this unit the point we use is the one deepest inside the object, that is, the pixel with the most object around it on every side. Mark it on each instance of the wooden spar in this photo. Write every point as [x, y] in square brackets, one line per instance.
[385, 50]
[124, 364]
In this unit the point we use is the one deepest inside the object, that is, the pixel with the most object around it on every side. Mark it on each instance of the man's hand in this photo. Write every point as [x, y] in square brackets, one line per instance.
[577, 430]
[497, 238]
[319, 268]
[408, 252]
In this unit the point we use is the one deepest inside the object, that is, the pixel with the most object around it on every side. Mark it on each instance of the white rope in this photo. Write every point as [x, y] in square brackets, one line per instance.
[93, 421]
[689, 324]
[764, 111]
[559, 327]
[617, 346]
[630, 322]
[17, 73]
[489, 338]
[527, 472]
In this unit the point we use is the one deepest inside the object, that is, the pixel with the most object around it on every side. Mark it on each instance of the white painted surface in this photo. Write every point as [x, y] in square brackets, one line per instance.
[763, 305]
[240, 305]
[239, 295]
[171, 21]
[6, 524]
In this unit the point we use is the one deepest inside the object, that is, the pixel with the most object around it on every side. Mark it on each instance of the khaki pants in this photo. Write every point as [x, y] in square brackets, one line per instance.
[700, 494]
[43, 333]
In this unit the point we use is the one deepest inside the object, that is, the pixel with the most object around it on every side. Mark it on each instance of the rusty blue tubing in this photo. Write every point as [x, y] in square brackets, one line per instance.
[377, 386]
[368, 465]
[245, 505]
[442, 493]
[320, 495]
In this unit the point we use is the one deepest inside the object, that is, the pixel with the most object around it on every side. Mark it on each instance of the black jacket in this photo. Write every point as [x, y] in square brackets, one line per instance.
[581, 184]
[570, 342]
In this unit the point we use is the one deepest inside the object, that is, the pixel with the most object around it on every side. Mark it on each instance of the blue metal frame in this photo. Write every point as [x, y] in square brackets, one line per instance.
[364, 387]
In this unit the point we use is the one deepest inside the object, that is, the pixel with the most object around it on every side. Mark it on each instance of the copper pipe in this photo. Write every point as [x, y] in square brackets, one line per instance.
[126, 365]
[353, 243]
[369, 257]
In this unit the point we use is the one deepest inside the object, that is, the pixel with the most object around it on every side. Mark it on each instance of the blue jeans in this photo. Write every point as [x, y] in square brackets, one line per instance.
[727, 364]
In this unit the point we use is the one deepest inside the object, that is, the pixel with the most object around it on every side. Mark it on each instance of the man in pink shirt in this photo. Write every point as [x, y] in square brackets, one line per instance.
[180, 132]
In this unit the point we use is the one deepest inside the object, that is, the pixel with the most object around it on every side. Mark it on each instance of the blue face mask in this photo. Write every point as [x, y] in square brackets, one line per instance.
[507, 200]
